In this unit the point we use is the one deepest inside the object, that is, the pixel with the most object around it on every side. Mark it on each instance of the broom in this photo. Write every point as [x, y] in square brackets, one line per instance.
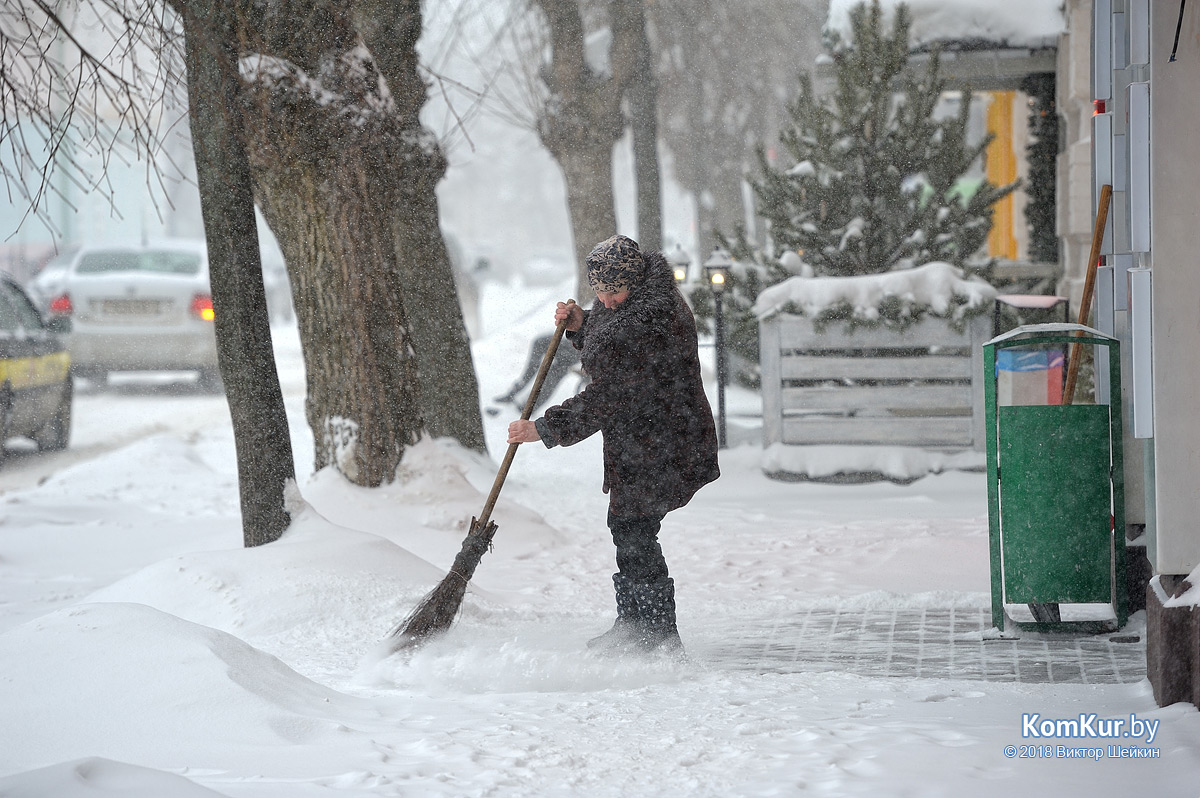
[1075, 355]
[437, 610]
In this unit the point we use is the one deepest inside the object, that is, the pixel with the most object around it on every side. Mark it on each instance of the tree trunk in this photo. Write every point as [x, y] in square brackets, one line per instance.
[587, 171]
[582, 122]
[328, 176]
[717, 92]
[723, 208]
[449, 388]
[643, 111]
[244, 350]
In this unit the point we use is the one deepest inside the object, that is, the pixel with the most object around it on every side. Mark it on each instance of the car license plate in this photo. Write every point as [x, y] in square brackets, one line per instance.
[131, 307]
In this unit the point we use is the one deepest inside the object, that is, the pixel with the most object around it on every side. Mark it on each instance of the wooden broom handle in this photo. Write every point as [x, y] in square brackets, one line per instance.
[547, 359]
[1089, 286]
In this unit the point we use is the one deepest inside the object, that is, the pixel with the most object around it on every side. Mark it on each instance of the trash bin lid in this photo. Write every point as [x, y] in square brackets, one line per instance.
[1034, 301]
[1047, 329]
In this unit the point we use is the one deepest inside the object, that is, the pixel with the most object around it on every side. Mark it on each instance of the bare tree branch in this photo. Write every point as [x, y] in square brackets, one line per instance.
[83, 87]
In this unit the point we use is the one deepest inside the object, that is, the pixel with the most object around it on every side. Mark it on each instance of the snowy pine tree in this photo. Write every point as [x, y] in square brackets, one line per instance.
[873, 182]
[874, 179]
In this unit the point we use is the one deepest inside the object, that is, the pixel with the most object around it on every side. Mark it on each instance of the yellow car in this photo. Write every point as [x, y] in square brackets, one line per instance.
[35, 381]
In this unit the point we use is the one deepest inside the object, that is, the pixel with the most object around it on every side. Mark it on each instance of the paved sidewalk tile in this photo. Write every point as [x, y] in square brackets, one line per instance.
[925, 643]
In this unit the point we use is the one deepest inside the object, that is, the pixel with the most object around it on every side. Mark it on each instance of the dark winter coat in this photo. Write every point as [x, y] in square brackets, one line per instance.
[646, 398]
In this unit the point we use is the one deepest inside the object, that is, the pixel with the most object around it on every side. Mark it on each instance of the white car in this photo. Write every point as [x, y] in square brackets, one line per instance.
[139, 308]
[49, 282]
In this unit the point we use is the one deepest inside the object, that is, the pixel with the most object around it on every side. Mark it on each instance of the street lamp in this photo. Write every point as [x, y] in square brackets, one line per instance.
[680, 262]
[716, 270]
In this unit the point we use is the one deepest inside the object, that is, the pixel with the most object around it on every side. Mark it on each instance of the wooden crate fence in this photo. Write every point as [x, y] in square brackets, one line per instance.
[922, 386]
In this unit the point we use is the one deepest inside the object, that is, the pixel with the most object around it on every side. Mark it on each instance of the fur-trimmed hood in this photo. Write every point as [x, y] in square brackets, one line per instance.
[646, 313]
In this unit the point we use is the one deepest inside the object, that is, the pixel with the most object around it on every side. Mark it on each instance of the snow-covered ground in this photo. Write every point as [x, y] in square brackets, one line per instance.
[144, 652]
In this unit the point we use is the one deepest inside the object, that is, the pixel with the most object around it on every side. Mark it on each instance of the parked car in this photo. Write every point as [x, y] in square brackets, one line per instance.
[50, 280]
[35, 380]
[139, 308]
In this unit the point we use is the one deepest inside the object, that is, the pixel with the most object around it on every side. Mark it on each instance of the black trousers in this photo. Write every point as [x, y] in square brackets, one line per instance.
[639, 555]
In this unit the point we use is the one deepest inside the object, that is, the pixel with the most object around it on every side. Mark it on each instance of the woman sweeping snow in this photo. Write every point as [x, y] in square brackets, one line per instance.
[638, 345]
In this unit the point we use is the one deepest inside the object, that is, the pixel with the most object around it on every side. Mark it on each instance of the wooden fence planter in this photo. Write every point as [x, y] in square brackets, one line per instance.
[920, 387]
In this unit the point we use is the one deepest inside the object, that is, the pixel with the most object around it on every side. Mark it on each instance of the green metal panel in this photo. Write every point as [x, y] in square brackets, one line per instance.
[1117, 436]
[1055, 503]
[993, 483]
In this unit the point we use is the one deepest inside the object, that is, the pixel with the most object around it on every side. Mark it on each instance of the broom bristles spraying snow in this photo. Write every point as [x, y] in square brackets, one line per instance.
[437, 611]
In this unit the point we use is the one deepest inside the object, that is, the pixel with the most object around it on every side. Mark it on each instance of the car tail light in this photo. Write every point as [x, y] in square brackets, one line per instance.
[202, 307]
[61, 305]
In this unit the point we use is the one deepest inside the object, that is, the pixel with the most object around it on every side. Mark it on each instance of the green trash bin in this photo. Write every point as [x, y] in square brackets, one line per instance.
[1055, 490]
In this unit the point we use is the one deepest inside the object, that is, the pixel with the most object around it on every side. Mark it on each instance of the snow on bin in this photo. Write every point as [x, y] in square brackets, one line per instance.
[1055, 490]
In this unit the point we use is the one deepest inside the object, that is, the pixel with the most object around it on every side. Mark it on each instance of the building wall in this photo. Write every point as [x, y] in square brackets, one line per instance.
[1167, 256]
[1172, 500]
[1077, 217]
[1175, 219]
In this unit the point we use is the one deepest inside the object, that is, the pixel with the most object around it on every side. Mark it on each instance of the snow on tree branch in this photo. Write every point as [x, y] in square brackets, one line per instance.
[348, 80]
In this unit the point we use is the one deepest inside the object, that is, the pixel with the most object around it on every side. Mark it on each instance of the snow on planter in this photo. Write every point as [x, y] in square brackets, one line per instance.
[937, 288]
[875, 376]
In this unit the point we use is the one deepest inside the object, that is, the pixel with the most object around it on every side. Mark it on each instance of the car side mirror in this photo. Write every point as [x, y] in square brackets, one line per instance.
[60, 325]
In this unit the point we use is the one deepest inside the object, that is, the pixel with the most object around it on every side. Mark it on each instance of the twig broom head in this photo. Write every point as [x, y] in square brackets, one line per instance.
[437, 611]
[433, 615]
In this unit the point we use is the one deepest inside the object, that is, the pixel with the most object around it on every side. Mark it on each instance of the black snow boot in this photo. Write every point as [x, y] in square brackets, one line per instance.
[656, 617]
[624, 633]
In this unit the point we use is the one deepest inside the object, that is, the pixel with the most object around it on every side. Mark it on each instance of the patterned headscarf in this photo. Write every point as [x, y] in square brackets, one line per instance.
[614, 265]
